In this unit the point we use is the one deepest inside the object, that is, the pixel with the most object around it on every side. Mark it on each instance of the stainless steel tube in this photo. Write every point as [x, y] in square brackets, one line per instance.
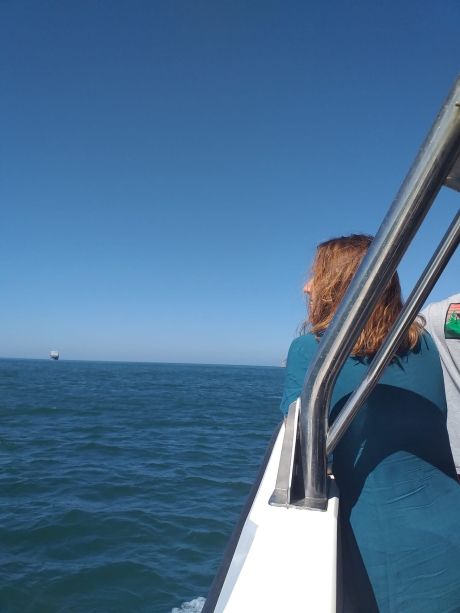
[419, 189]
[418, 296]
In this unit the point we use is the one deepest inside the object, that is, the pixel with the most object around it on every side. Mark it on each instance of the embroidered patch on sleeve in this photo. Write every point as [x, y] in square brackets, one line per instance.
[452, 323]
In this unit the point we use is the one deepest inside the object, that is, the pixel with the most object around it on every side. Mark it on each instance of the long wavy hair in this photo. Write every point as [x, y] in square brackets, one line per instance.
[334, 266]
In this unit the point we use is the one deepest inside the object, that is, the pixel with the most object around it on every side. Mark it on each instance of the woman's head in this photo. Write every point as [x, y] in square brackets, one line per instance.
[334, 266]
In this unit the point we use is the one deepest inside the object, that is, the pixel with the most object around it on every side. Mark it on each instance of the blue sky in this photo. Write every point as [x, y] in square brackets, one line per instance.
[168, 167]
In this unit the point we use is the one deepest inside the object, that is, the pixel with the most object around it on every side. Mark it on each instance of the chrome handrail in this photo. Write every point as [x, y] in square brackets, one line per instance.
[437, 158]
[419, 294]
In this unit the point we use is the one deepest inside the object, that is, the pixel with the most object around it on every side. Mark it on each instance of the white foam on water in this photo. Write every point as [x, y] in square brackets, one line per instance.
[192, 606]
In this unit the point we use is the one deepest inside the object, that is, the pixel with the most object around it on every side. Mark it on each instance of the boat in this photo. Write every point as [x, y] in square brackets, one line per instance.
[284, 553]
[54, 355]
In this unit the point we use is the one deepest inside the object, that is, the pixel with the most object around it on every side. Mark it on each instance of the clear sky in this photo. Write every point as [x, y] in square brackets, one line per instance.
[167, 167]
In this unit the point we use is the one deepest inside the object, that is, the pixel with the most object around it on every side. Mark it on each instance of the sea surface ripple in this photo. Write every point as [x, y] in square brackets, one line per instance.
[120, 483]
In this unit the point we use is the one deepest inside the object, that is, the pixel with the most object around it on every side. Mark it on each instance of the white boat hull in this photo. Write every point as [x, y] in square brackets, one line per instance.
[280, 559]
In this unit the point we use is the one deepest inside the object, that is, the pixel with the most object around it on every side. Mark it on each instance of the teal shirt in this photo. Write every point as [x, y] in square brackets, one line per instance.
[399, 497]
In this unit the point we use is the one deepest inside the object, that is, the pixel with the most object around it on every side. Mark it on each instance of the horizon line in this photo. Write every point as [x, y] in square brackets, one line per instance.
[146, 362]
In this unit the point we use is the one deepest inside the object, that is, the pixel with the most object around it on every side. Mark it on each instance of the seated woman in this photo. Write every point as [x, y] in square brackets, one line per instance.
[399, 498]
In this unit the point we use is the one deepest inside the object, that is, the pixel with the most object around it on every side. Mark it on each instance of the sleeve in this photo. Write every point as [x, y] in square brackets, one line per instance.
[298, 360]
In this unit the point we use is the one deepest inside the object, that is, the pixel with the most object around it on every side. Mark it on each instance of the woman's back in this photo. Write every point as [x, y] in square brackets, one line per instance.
[399, 495]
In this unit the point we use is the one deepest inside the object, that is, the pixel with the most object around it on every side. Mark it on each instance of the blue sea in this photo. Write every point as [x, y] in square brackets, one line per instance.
[120, 483]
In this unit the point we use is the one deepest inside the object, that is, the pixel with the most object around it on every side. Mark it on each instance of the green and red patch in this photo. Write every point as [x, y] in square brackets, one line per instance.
[452, 323]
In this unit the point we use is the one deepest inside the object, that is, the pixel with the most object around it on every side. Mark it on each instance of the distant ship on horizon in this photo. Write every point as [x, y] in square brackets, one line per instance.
[54, 355]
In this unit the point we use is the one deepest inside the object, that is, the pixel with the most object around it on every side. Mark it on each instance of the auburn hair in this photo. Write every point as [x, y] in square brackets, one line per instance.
[334, 266]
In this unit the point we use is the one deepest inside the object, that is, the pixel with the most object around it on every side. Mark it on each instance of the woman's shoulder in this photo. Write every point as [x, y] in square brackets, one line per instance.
[303, 346]
[300, 354]
[419, 370]
[427, 342]
[426, 348]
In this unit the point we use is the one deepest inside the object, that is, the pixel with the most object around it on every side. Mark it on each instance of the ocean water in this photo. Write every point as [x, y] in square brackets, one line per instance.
[120, 483]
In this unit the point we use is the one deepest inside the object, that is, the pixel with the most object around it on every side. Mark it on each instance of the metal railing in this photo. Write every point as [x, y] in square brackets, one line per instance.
[383, 356]
[437, 163]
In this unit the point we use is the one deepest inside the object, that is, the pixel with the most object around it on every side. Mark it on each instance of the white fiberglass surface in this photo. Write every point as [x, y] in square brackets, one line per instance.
[286, 557]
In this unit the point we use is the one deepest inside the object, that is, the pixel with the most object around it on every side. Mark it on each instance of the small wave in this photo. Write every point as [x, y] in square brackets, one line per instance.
[193, 606]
